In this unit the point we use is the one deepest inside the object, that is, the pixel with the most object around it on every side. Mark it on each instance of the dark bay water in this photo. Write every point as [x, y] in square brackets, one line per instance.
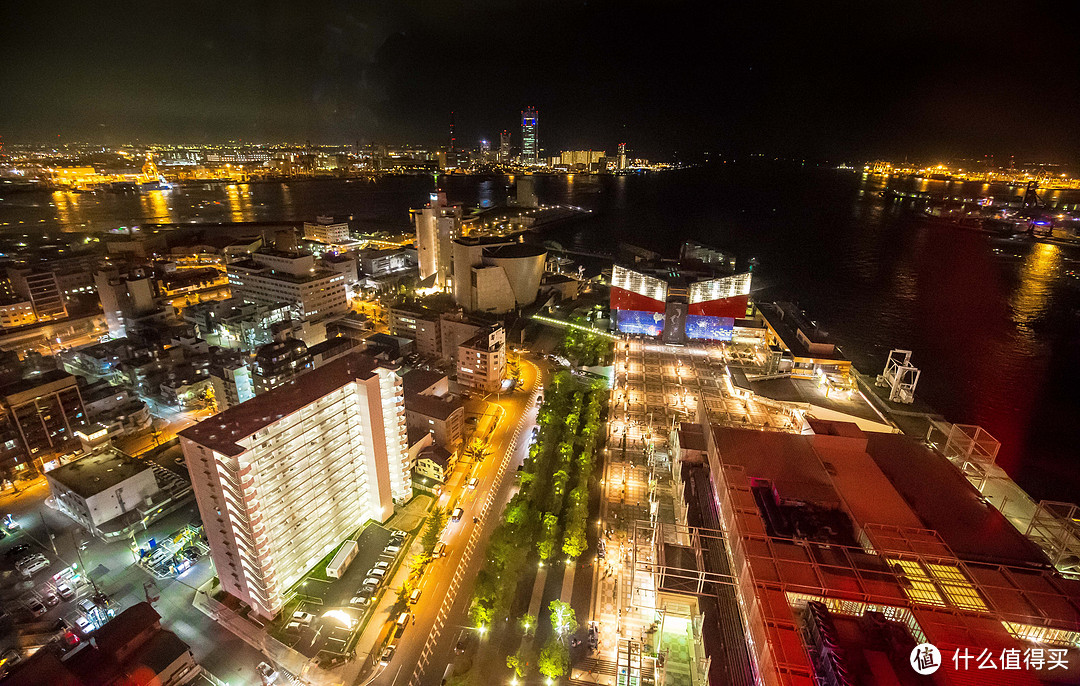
[994, 324]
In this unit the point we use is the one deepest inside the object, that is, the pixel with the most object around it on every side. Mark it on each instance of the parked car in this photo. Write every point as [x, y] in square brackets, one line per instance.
[17, 550]
[50, 598]
[387, 655]
[359, 600]
[376, 572]
[34, 567]
[392, 549]
[84, 624]
[268, 673]
[372, 581]
[304, 618]
[65, 590]
[36, 607]
[382, 565]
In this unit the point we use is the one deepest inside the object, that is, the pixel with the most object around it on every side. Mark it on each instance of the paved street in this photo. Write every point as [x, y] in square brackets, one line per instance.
[427, 645]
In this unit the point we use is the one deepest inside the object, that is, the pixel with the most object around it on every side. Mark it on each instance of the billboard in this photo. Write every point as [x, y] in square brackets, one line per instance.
[639, 322]
[703, 327]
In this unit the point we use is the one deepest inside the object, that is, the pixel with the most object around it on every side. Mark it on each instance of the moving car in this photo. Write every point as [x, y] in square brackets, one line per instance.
[402, 622]
[473, 481]
[455, 516]
[440, 549]
[414, 596]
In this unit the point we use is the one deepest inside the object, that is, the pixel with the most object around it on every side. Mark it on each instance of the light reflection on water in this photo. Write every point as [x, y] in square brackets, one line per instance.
[994, 323]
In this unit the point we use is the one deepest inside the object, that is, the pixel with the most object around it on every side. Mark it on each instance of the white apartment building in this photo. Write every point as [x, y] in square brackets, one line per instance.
[271, 277]
[284, 477]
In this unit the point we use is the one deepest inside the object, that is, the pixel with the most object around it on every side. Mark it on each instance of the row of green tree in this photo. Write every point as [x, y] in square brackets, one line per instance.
[584, 348]
[551, 507]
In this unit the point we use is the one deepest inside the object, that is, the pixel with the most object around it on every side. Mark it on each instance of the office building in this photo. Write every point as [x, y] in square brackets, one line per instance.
[283, 478]
[286, 275]
[325, 230]
[42, 289]
[16, 312]
[481, 360]
[237, 323]
[504, 148]
[42, 414]
[125, 296]
[437, 225]
[622, 156]
[378, 262]
[457, 327]
[530, 136]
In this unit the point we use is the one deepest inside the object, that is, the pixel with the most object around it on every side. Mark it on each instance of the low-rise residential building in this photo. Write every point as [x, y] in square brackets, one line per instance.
[481, 360]
[420, 324]
[103, 491]
[131, 649]
[430, 407]
[434, 462]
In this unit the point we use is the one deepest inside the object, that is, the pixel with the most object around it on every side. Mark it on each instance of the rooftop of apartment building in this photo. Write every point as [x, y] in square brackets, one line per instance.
[222, 431]
[97, 472]
[432, 406]
[263, 270]
[33, 383]
[417, 381]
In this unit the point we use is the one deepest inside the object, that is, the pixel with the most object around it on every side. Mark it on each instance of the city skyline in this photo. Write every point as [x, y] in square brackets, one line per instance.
[858, 83]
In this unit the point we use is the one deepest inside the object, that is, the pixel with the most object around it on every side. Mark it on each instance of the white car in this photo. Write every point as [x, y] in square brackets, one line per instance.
[382, 565]
[268, 673]
[303, 618]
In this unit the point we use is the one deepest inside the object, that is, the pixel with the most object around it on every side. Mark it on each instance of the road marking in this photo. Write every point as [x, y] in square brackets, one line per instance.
[397, 675]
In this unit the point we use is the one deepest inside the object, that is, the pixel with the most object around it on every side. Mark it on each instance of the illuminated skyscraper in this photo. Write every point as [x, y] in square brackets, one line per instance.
[622, 155]
[504, 147]
[530, 137]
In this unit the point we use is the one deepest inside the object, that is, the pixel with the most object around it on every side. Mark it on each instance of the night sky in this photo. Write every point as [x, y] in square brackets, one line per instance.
[823, 80]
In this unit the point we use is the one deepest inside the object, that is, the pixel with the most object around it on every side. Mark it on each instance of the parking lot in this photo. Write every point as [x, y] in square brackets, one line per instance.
[44, 596]
[322, 618]
[175, 554]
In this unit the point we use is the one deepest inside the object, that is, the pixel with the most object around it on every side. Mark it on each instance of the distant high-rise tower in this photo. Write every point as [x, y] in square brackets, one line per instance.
[504, 147]
[622, 155]
[530, 137]
[453, 139]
